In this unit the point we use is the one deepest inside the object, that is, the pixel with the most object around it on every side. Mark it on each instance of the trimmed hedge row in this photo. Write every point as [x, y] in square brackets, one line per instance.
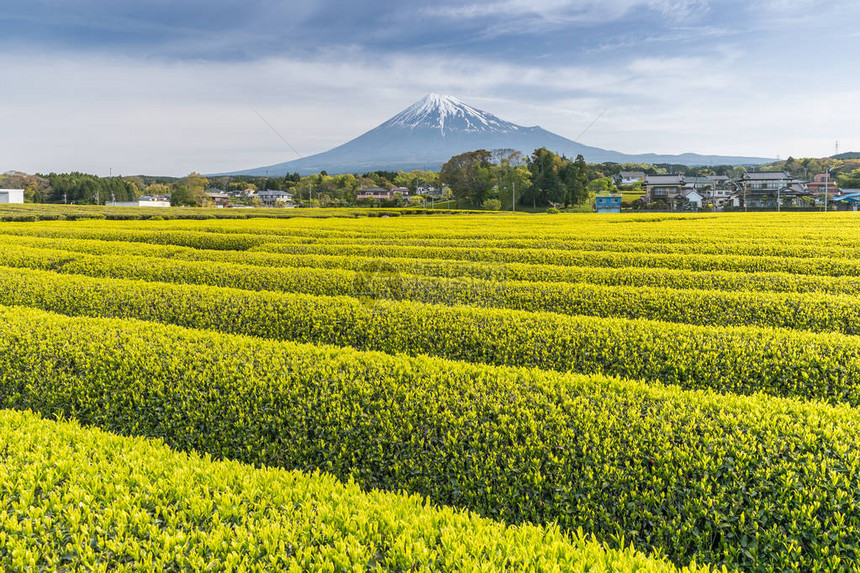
[629, 276]
[735, 359]
[82, 499]
[755, 483]
[824, 266]
[787, 248]
[237, 241]
[193, 239]
[31, 212]
[816, 312]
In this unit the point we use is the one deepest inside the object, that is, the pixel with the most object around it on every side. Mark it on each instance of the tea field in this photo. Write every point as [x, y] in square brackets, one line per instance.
[429, 392]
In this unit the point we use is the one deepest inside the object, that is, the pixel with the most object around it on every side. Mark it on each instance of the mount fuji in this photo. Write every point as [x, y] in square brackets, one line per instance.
[434, 129]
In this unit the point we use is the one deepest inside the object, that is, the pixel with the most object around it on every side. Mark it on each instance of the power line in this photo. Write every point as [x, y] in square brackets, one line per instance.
[281, 136]
[587, 128]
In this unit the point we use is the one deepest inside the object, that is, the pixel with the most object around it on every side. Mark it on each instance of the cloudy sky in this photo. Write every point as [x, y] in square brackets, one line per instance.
[173, 86]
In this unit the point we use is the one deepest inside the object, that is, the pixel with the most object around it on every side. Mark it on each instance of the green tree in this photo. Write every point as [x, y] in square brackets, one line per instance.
[190, 191]
[547, 185]
[469, 176]
[849, 180]
[575, 177]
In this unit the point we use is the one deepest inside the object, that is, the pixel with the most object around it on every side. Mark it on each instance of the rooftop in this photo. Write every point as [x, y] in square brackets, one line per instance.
[765, 175]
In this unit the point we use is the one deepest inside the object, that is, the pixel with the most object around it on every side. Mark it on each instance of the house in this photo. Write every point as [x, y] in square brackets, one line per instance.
[428, 190]
[220, 198]
[271, 198]
[692, 198]
[820, 182]
[721, 188]
[848, 197]
[404, 191]
[767, 189]
[629, 178]
[11, 195]
[610, 203]
[713, 189]
[663, 188]
[375, 193]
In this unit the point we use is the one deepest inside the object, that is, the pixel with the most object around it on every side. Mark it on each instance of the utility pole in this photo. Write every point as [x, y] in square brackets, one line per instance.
[513, 196]
[826, 186]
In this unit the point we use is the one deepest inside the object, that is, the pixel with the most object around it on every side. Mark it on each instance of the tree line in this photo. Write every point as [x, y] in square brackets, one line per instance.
[489, 179]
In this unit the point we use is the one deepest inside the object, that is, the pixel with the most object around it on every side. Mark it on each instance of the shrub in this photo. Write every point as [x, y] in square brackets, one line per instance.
[491, 205]
[81, 499]
[754, 483]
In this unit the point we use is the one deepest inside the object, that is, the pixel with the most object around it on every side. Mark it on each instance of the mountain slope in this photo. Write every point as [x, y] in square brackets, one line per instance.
[432, 130]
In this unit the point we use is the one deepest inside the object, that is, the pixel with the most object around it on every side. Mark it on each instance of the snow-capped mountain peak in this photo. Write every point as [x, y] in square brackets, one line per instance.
[431, 131]
[447, 113]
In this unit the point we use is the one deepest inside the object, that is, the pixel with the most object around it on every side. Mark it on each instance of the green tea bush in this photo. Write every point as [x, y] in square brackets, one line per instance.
[734, 359]
[82, 499]
[755, 483]
[813, 311]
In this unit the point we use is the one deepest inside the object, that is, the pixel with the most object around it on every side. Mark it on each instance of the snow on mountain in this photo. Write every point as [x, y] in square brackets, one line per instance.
[447, 114]
[431, 131]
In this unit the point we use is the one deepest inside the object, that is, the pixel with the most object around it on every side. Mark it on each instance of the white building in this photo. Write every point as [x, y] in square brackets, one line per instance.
[693, 196]
[629, 178]
[270, 198]
[11, 195]
[145, 201]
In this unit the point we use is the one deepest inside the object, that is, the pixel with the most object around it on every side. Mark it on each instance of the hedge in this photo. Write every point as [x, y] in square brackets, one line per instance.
[78, 498]
[735, 359]
[694, 262]
[755, 483]
[629, 276]
[806, 311]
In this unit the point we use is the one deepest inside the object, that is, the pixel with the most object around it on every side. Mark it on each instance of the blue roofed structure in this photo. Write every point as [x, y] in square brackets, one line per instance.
[607, 203]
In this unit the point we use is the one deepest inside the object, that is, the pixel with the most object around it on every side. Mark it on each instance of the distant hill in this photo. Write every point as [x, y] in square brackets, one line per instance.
[847, 155]
[434, 129]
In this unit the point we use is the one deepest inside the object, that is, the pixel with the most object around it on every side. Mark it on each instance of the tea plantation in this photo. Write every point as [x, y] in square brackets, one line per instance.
[429, 392]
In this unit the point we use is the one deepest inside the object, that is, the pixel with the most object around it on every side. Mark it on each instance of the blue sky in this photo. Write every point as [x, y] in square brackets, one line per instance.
[167, 87]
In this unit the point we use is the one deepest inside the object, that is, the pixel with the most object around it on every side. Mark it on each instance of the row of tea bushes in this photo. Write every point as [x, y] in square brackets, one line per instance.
[825, 265]
[620, 276]
[692, 246]
[756, 483]
[692, 262]
[735, 359]
[803, 311]
[81, 499]
[193, 239]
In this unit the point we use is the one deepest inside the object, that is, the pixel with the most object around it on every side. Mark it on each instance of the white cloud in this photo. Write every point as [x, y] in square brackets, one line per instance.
[137, 116]
[567, 11]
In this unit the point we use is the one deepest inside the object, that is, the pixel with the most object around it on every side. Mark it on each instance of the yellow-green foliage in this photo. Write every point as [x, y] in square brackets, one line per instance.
[44, 212]
[80, 499]
[24, 253]
[809, 311]
[727, 475]
[752, 482]
[738, 359]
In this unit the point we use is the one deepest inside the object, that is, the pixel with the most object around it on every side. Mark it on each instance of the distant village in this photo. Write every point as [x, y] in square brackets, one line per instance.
[518, 184]
[249, 198]
[760, 190]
